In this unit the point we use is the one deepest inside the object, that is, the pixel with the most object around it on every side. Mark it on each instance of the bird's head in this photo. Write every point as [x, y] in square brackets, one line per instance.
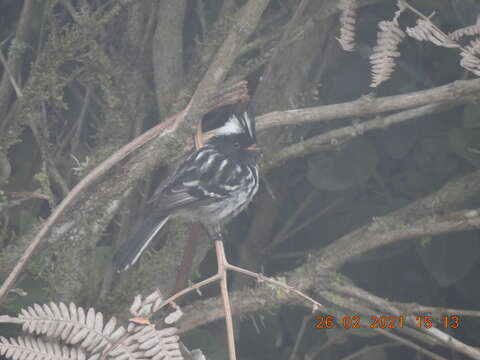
[237, 138]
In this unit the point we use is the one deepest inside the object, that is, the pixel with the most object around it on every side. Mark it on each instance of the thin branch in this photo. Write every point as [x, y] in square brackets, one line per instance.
[422, 309]
[11, 77]
[280, 236]
[411, 344]
[368, 105]
[28, 194]
[332, 139]
[306, 320]
[367, 349]
[222, 272]
[23, 35]
[398, 226]
[316, 305]
[312, 219]
[437, 335]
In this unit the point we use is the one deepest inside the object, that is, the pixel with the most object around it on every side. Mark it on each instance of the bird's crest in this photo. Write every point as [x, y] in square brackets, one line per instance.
[238, 124]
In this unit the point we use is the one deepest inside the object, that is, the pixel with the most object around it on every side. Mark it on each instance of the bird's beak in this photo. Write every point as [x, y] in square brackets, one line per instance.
[253, 147]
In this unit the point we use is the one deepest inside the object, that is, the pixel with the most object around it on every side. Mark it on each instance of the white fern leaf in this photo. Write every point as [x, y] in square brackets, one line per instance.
[425, 30]
[33, 349]
[347, 24]
[143, 308]
[196, 354]
[401, 8]
[382, 58]
[174, 316]
[128, 349]
[71, 325]
[87, 333]
[470, 57]
[471, 30]
[159, 344]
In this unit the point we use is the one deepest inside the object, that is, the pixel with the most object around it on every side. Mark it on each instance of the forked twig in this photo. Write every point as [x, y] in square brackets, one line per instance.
[222, 273]
[15, 86]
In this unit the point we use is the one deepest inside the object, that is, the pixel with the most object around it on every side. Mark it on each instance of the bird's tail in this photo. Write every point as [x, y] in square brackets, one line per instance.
[129, 252]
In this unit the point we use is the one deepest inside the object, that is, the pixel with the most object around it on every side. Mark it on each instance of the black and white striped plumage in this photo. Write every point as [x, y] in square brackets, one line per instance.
[212, 185]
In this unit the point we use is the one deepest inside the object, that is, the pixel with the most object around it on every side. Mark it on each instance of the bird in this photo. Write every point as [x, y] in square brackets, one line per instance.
[211, 186]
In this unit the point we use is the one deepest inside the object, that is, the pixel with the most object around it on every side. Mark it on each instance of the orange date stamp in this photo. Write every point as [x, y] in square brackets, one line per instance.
[386, 322]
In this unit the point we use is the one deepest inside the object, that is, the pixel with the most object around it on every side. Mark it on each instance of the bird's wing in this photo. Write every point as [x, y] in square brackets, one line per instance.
[193, 183]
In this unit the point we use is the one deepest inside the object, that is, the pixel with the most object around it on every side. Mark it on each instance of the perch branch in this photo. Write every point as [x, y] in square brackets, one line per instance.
[222, 273]
[332, 139]
[368, 105]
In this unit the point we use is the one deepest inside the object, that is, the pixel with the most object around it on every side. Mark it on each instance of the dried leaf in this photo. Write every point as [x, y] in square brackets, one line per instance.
[425, 30]
[471, 30]
[140, 320]
[347, 24]
[382, 59]
[470, 57]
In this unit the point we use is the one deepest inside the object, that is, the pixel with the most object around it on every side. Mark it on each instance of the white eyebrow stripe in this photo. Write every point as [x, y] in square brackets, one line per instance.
[238, 124]
[248, 123]
[232, 126]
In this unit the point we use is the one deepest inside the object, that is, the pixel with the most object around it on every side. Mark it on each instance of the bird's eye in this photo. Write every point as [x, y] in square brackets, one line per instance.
[236, 144]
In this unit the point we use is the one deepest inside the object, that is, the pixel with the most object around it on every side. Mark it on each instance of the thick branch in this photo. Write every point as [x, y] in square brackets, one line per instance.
[222, 62]
[168, 52]
[404, 223]
[369, 105]
[331, 139]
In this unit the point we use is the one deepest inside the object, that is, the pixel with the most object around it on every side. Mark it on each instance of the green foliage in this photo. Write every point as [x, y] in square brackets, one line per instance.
[42, 178]
[79, 170]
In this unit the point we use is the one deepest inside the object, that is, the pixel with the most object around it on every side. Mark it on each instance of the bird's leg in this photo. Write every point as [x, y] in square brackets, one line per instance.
[214, 232]
[218, 232]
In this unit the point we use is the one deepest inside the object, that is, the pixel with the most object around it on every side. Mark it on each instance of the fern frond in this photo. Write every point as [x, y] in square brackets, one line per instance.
[128, 349]
[471, 30]
[382, 58]
[88, 334]
[71, 324]
[196, 354]
[347, 24]
[36, 348]
[159, 344]
[425, 30]
[147, 306]
[155, 344]
[470, 57]
[401, 7]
